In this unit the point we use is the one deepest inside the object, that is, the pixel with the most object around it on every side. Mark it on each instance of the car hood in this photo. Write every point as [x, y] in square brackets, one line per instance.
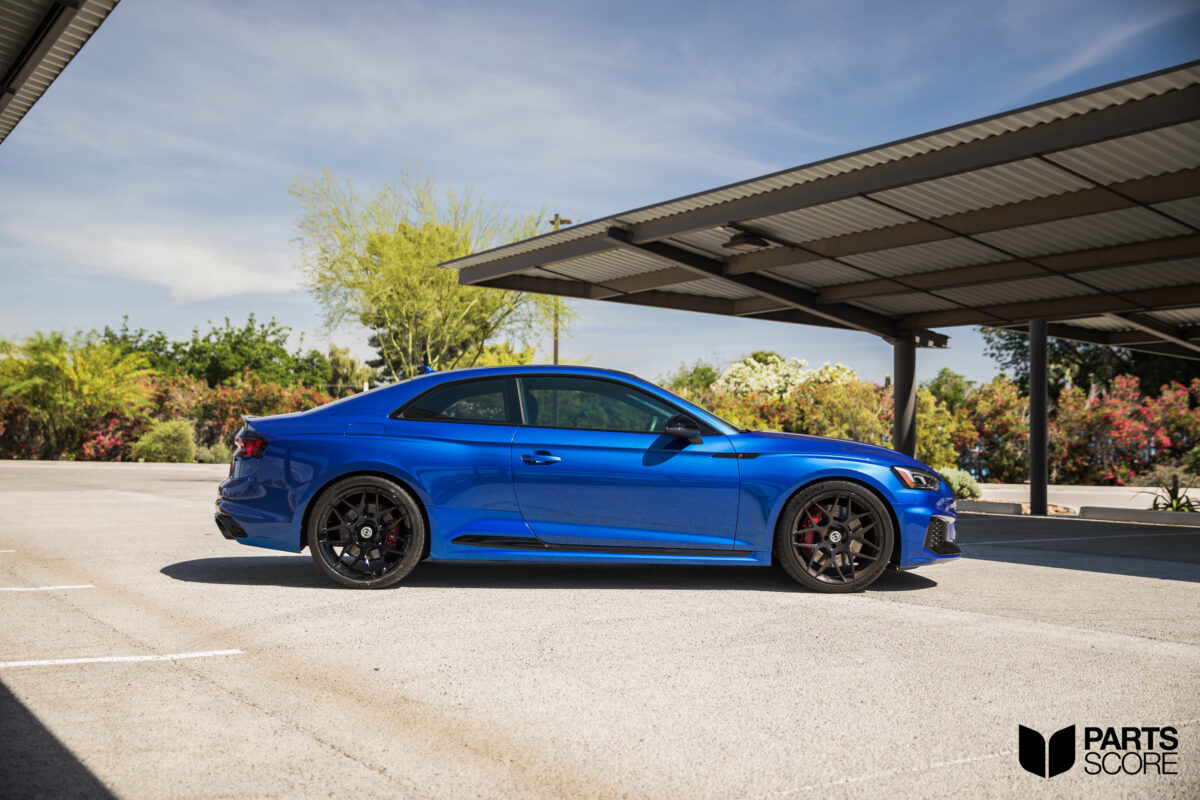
[805, 444]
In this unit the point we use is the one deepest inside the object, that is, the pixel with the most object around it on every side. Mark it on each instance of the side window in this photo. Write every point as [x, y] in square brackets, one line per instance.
[572, 402]
[468, 401]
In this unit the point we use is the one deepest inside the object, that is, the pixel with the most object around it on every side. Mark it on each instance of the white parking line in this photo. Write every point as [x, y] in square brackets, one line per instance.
[1085, 538]
[58, 662]
[8, 551]
[42, 588]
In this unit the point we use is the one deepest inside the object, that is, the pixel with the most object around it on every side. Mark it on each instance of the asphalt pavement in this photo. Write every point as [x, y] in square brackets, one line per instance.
[143, 656]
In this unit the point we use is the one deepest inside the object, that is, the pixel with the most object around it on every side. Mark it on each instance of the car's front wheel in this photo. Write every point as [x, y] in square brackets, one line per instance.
[366, 532]
[834, 536]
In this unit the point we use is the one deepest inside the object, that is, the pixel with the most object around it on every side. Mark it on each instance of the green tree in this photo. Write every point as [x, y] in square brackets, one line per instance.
[950, 388]
[373, 259]
[503, 354]
[347, 374]
[70, 383]
[226, 351]
[1084, 365]
[691, 382]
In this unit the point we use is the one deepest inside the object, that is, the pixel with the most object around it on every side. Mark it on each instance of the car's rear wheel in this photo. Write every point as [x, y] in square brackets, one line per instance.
[834, 536]
[366, 532]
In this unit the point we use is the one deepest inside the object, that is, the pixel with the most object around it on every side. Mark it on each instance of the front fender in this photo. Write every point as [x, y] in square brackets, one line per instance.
[771, 479]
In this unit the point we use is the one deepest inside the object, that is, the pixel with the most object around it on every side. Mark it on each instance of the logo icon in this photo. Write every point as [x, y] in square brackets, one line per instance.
[1044, 760]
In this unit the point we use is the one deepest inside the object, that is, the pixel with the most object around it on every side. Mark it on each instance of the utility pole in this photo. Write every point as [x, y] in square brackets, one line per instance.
[557, 222]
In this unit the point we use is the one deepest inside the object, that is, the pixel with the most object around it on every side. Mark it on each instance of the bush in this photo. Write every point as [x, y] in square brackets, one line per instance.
[218, 412]
[167, 441]
[961, 483]
[219, 453]
[1191, 460]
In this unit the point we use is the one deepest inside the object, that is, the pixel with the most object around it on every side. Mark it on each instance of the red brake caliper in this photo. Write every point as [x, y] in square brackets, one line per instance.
[392, 537]
[814, 519]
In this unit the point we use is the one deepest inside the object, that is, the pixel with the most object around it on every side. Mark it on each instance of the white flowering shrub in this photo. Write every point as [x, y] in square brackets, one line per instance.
[832, 374]
[761, 373]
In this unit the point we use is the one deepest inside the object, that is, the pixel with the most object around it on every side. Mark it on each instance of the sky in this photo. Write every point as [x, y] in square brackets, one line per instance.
[151, 178]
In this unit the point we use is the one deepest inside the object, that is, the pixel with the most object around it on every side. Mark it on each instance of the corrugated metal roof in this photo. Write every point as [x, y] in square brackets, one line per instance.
[831, 219]
[711, 287]
[1139, 156]
[984, 188]
[608, 265]
[1145, 276]
[993, 126]
[973, 270]
[916, 303]
[45, 36]
[1051, 287]
[1102, 324]
[925, 257]
[1085, 233]
[708, 242]
[814, 274]
[1186, 210]
[1178, 316]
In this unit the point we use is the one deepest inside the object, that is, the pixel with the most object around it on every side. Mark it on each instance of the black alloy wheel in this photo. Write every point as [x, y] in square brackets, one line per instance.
[834, 536]
[366, 532]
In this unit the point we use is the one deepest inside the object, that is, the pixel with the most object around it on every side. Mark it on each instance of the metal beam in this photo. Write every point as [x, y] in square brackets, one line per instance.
[1163, 298]
[1156, 327]
[1169, 108]
[846, 316]
[591, 291]
[54, 24]
[647, 281]
[1061, 263]
[1111, 339]
[1156, 189]
[519, 262]
[757, 305]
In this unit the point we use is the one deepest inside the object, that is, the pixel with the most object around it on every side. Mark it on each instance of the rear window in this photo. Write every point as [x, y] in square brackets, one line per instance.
[486, 401]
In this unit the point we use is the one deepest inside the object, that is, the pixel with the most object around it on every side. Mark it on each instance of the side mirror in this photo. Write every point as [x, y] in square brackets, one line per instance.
[684, 427]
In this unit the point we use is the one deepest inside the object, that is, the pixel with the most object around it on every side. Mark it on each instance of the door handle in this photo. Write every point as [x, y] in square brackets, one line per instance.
[540, 457]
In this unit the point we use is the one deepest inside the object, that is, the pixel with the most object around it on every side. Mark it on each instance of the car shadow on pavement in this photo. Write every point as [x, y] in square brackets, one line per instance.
[300, 572]
[1117, 548]
[35, 763]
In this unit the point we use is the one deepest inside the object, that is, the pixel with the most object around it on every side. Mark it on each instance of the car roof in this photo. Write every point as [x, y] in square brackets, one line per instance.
[526, 369]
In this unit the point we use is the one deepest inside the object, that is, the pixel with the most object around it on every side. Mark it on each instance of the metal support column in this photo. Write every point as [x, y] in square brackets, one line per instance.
[1038, 417]
[904, 395]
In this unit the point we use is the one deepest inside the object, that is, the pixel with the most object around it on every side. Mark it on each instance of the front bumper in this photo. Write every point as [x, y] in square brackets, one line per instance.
[940, 536]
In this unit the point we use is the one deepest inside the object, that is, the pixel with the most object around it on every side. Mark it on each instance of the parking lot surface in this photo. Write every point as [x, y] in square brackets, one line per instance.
[244, 673]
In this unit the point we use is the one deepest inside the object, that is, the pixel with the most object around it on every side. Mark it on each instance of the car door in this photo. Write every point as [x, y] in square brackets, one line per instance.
[455, 440]
[593, 467]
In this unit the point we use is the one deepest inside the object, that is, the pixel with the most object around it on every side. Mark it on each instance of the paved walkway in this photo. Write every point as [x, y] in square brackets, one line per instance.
[1076, 496]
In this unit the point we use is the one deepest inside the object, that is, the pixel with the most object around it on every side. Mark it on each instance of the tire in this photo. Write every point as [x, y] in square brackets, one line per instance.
[834, 536]
[366, 532]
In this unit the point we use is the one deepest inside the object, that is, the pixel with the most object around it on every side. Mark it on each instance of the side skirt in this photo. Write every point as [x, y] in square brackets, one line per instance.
[521, 543]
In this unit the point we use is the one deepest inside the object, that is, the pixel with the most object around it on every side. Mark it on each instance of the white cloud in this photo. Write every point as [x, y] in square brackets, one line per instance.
[192, 264]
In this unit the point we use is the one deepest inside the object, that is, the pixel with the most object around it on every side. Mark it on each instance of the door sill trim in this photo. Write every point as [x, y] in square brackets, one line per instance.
[522, 543]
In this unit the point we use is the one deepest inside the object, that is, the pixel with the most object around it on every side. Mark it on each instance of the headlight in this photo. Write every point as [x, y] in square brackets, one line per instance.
[917, 479]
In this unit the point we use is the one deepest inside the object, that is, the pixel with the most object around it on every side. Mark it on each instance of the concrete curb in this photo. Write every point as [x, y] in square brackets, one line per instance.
[1139, 515]
[989, 506]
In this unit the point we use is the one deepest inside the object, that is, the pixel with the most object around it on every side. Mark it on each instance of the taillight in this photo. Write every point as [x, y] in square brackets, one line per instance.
[250, 446]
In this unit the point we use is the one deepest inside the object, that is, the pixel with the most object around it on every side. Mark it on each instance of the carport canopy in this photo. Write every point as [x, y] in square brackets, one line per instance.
[1077, 218]
[38, 38]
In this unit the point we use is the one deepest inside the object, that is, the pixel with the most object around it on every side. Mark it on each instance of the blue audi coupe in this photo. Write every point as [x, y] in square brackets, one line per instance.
[571, 464]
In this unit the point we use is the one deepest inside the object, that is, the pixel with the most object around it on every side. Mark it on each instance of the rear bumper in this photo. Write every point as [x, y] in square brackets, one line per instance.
[229, 526]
